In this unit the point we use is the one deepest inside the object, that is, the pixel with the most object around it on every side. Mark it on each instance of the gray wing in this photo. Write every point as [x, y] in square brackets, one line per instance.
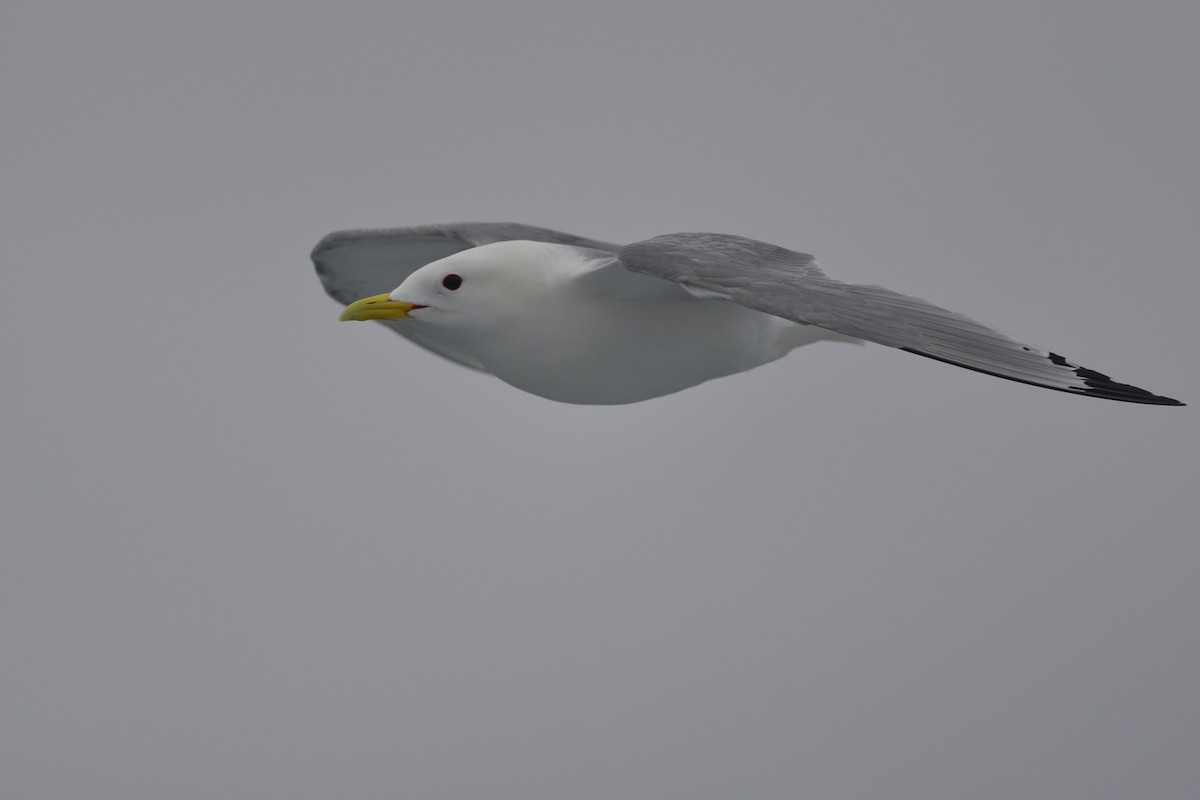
[791, 285]
[360, 263]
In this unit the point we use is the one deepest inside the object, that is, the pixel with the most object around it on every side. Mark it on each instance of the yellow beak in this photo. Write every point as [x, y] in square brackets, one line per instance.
[377, 307]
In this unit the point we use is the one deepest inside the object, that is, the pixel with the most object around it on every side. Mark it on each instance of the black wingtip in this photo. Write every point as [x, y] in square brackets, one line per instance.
[1100, 385]
[1096, 384]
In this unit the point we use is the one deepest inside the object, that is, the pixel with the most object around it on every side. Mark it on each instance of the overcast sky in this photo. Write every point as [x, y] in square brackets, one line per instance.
[250, 552]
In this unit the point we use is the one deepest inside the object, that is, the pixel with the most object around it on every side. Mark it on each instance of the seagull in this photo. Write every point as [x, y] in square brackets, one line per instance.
[577, 320]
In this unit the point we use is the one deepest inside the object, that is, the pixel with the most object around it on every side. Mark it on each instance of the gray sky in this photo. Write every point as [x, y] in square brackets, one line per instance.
[250, 552]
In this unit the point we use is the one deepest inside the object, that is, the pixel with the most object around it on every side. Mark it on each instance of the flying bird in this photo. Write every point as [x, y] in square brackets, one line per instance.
[583, 321]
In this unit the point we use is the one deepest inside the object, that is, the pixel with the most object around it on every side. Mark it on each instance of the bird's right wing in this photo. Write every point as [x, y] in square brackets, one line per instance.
[790, 285]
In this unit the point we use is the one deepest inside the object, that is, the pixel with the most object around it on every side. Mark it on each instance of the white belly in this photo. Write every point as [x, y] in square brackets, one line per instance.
[624, 351]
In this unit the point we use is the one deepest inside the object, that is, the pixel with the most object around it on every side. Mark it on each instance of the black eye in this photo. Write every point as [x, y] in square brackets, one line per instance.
[452, 281]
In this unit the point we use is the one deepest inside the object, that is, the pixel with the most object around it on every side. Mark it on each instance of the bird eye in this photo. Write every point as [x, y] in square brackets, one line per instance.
[452, 281]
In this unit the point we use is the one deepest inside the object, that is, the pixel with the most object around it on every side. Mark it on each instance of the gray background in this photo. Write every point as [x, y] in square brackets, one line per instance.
[249, 552]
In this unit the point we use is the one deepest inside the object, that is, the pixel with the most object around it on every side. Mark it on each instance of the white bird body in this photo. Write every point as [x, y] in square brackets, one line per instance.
[577, 327]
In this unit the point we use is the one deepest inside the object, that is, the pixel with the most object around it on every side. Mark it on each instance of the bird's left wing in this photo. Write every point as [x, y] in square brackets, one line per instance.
[790, 285]
[360, 263]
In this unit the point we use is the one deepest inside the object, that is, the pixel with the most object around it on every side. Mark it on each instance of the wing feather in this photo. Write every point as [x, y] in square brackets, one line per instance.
[788, 284]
